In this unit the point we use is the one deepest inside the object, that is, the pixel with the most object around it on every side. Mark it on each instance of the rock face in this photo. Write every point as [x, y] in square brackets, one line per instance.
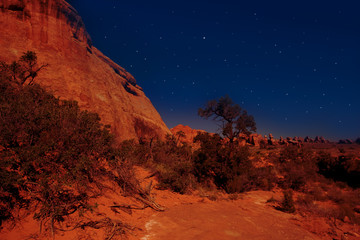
[77, 70]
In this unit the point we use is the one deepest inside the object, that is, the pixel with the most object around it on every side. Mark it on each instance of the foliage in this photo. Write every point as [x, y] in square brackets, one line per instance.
[227, 166]
[297, 166]
[24, 71]
[232, 119]
[51, 152]
[174, 164]
[287, 203]
[345, 168]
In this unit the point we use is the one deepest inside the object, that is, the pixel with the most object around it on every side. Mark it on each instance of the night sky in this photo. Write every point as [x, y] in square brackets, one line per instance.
[293, 65]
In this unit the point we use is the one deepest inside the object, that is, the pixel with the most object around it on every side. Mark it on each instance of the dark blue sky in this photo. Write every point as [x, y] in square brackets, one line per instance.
[293, 65]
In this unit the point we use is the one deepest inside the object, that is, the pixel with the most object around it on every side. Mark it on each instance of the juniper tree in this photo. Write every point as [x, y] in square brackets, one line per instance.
[232, 119]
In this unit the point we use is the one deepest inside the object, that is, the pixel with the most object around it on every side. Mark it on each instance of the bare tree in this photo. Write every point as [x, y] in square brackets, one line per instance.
[231, 118]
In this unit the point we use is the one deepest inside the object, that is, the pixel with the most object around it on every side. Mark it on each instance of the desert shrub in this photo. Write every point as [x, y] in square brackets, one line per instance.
[234, 196]
[317, 193]
[205, 159]
[306, 201]
[225, 163]
[287, 203]
[169, 159]
[135, 153]
[345, 168]
[178, 179]
[173, 164]
[51, 153]
[237, 184]
[298, 167]
[344, 212]
[263, 178]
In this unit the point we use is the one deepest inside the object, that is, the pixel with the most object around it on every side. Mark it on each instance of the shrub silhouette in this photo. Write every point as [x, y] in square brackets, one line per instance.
[345, 168]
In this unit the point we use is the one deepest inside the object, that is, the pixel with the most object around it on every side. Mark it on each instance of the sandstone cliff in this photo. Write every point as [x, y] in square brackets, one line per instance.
[77, 70]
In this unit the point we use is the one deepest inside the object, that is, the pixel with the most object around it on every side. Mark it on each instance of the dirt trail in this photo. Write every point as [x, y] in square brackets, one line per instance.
[192, 216]
[246, 218]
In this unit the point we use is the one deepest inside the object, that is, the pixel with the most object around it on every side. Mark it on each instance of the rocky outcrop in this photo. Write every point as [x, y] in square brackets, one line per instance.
[272, 140]
[185, 134]
[345, 141]
[257, 140]
[77, 70]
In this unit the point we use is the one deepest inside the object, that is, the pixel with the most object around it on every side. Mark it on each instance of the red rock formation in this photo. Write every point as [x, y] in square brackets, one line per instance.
[77, 70]
[189, 133]
[256, 139]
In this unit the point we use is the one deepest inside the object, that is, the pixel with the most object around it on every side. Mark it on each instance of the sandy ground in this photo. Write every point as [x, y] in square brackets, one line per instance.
[192, 216]
[246, 218]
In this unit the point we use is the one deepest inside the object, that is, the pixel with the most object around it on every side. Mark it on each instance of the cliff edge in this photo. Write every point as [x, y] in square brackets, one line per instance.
[77, 70]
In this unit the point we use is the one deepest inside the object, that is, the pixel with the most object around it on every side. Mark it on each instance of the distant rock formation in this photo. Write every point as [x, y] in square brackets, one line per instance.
[345, 141]
[271, 140]
[186, 134]
[77, 70]
[256, 140]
